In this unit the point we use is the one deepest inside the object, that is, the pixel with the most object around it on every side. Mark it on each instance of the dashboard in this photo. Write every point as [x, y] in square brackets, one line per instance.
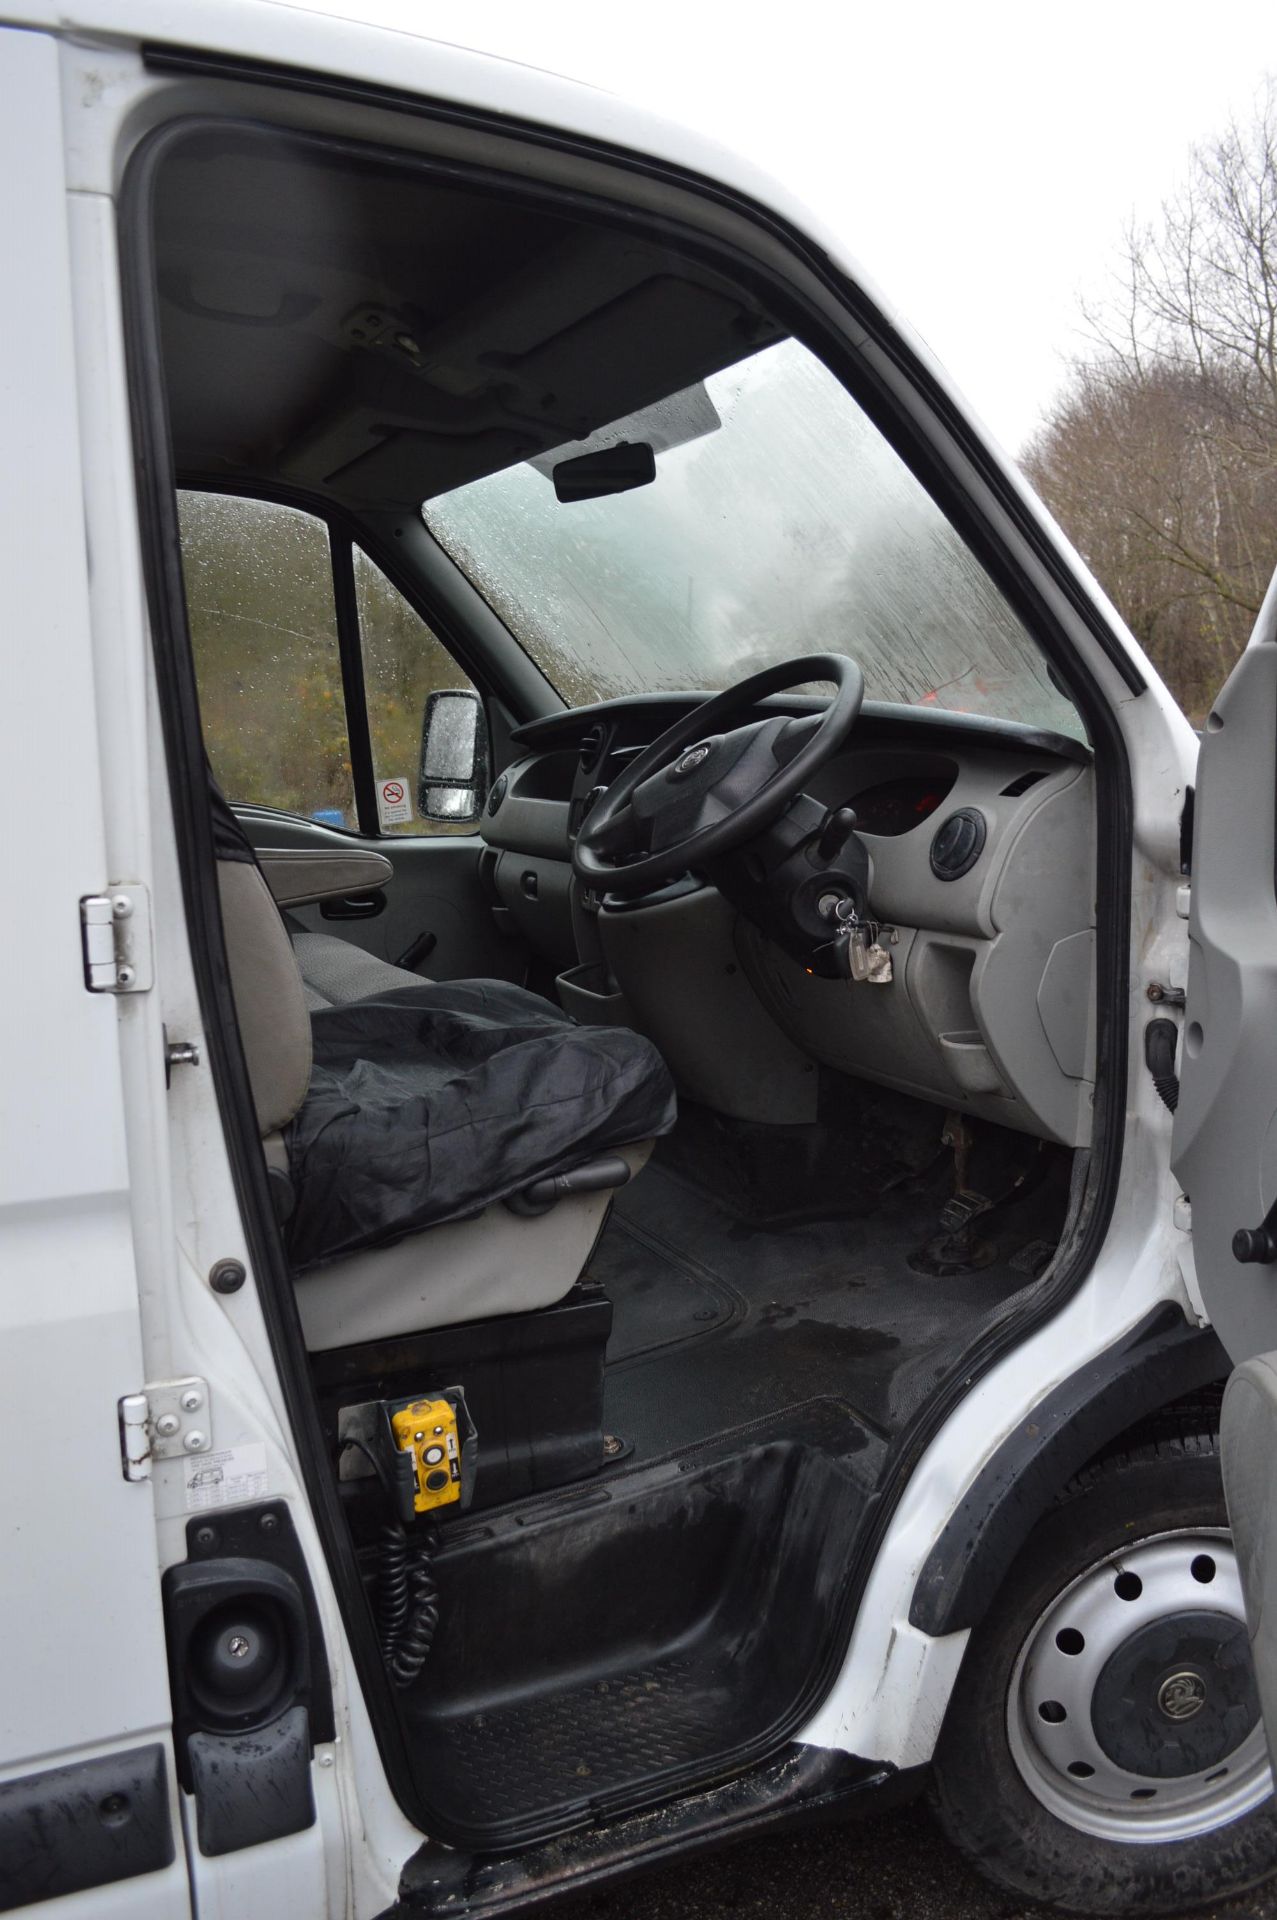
[980, 841]
[898, 806]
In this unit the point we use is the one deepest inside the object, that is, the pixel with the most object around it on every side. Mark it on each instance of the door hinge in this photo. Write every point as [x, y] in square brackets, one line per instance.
[167, 1420]
[115, 932]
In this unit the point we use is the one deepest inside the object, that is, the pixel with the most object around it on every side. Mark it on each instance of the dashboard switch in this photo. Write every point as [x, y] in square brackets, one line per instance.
[958, 844]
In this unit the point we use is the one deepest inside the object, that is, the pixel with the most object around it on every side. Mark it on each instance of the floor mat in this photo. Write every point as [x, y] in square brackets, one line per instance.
[604, 1644]
[675, 1612]
[660, 1298]
[804, 1307]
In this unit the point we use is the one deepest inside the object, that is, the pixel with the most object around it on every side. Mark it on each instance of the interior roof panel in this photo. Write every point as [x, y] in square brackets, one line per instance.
[348, 324]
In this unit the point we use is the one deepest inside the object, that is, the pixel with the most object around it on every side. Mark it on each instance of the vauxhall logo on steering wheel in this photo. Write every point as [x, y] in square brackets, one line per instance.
[689, 761]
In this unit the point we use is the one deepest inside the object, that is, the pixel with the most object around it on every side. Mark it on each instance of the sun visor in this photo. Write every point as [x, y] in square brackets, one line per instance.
[672, 422]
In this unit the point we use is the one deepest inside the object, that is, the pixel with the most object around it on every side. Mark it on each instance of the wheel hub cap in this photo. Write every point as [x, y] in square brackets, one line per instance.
[1177, 1696]
[1181, 1695]
[1133, 1712]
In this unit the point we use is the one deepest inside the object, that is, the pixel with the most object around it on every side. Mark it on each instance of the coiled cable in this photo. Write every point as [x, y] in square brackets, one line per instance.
[407, 1593]
[411, 1608]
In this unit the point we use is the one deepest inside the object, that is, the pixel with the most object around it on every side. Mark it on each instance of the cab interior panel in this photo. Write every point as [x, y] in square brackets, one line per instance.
[671, 1377]
[599, 1649]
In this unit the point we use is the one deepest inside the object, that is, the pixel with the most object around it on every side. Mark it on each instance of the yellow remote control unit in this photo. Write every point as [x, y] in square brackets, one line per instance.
[427, 1429]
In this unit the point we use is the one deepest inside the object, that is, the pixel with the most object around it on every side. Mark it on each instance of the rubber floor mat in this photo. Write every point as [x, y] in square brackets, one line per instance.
[827, 1307]
[572, 1748]
[659, 1299]
[590, 1647]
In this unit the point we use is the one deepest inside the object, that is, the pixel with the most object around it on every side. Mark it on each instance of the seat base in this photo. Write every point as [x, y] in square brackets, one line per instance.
[496, 1263]
[534, 1389]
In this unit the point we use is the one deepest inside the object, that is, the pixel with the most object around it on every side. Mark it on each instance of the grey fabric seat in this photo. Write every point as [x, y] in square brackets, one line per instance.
[494, 1262]
[334, 971]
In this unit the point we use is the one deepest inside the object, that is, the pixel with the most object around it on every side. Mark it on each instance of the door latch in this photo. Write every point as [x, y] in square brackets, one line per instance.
[167, 1420]
[115, 935]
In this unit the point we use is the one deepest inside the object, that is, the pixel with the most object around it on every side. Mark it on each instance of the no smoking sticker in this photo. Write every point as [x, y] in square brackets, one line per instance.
[393, 804]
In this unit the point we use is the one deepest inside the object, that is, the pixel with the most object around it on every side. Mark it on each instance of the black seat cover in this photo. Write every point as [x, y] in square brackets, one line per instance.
[428, 1103]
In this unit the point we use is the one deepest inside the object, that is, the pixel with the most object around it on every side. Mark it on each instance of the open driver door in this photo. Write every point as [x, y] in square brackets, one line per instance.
[1224, 1150]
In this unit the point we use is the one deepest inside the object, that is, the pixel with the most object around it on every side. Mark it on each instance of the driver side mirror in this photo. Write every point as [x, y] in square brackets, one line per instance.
[452, 781]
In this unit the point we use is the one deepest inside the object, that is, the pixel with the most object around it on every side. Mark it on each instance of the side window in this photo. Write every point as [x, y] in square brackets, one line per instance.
[259, 590]
[440, 789]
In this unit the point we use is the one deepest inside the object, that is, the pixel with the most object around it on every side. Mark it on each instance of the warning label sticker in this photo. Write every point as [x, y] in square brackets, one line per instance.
[218, 1479]
[393, 804]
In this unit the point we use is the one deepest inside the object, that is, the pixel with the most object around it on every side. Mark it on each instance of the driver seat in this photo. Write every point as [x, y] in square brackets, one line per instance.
[439, 1152]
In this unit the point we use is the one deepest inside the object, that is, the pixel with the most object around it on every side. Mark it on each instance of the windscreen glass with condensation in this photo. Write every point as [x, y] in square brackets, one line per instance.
[780, 523]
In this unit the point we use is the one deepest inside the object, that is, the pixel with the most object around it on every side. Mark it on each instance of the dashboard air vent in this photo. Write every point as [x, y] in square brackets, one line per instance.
[592, 748]
[1021, 784]
[958, 844]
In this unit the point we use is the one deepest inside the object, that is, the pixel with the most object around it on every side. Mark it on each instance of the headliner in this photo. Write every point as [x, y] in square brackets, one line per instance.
[340, 322]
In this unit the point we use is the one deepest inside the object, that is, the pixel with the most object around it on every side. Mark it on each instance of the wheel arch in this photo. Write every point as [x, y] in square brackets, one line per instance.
[1121, 1397]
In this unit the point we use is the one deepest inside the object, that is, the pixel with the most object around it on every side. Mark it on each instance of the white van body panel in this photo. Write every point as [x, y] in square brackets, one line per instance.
[177, 1184]
[80, 1619]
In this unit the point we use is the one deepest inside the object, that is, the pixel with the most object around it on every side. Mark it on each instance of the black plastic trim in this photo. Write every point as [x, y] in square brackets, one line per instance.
[1115, 813]
[802, 1786]
[251, 1788]
[1160, 1359]
[1186, 819]
[353, 906]
[877, 719]
[67, 1829]
[265, 1531]
[947, 866]
[358, 731]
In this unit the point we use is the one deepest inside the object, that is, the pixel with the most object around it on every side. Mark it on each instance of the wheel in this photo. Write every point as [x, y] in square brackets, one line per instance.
[1103, 1750]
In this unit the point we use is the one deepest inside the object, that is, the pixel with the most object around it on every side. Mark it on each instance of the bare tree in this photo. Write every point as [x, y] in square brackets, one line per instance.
[1160, 458]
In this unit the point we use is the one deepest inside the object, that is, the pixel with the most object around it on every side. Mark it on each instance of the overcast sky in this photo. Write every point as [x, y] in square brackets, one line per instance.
[982, 158]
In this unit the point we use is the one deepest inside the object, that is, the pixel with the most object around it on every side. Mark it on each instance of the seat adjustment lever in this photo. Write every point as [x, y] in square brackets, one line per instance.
[600, 1175]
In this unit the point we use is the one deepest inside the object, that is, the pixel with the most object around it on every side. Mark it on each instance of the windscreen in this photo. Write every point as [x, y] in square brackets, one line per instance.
[780, 522]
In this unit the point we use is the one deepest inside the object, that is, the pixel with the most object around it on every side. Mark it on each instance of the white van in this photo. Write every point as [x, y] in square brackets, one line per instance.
[593, 1241]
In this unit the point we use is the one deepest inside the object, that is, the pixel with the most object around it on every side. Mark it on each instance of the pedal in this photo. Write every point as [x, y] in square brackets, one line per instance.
[958, 1212]
[955, 1249]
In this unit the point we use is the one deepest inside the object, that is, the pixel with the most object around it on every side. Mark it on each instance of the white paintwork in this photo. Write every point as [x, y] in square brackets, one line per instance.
[83, 1642]
[115, 1199]
[184, 1213]
[890, 1697]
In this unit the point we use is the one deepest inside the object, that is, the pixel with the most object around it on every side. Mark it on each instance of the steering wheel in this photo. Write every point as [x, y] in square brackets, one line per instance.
[705, 788]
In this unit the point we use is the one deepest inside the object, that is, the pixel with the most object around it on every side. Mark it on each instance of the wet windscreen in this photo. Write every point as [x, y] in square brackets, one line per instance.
[780, 523]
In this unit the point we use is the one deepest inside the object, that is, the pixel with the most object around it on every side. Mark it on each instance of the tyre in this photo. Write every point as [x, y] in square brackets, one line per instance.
[1103, 1751]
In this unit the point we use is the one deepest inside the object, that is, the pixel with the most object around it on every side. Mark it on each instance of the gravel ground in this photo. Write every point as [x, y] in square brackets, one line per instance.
[897, 1868]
